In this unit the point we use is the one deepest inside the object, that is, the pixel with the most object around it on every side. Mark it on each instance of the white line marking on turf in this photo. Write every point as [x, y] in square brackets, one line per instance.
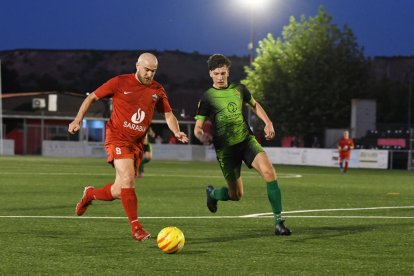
[76, 217]
[332, 210]
[207, 217]
[288, 175]
[260, 215]
[348, 217]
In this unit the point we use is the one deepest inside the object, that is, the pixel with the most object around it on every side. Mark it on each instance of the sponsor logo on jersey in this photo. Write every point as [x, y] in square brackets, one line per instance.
[134, 126]
[232, 107]
[232, 114]
[227, 117]
[136, 119]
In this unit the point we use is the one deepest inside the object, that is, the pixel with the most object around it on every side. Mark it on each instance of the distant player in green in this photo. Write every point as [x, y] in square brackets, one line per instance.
[147, 157]
[234, 141]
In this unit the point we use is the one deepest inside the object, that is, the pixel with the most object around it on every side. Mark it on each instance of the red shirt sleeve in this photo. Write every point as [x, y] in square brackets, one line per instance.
[107, 89]
[163, 105]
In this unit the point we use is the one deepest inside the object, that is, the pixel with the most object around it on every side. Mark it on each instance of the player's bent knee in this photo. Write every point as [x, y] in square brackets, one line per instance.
[236, 196]
[269, 174]
[128, 179]
[239, 196]
[116, 191]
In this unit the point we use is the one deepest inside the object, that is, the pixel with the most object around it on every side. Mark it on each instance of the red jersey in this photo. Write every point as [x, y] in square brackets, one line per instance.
[345, 145]
[133, 106]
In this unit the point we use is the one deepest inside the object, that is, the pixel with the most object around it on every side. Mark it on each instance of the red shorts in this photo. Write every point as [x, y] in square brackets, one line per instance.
[134, 152]
[344, 155]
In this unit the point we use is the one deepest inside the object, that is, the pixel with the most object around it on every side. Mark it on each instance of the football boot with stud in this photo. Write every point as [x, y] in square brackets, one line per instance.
[85, 201]
[140, 234]
[282, 230]
[211, 202]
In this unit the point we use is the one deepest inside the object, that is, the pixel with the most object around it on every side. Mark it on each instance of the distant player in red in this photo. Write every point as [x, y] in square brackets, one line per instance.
[135, 98]
[345, 145]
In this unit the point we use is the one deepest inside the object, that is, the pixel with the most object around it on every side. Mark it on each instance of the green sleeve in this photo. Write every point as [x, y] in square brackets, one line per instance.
[200, 117]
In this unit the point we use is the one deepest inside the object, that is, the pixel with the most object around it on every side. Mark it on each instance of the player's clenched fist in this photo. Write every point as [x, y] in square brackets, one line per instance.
[269, 132]
[73, 127]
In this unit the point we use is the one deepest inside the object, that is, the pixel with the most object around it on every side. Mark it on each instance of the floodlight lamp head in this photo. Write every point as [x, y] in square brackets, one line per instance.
[254, 4]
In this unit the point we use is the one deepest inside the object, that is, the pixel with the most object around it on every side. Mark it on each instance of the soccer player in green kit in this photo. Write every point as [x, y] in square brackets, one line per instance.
[234, 141]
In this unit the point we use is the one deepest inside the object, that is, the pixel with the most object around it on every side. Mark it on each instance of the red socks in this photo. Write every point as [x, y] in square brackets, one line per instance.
[128, 198]
[103, 193]
[130, 202]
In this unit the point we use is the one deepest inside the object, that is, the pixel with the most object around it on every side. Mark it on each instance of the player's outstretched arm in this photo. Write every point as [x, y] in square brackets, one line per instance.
[172, 123]
[151, 132]
[75, 125]
[261, 113]
[198, 130]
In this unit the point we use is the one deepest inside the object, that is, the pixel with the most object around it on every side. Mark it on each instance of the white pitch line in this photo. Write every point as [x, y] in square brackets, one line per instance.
[351, 209]
[146, 175]
[349, 217]
[339, 217]
[206, 217]
[332, 210]
[260, 215]
[86, 217]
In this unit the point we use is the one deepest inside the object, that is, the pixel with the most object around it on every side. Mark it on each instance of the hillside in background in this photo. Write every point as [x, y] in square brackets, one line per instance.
[184, 75]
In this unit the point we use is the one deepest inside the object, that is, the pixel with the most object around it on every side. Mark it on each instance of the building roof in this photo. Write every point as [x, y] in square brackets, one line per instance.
[68, 103]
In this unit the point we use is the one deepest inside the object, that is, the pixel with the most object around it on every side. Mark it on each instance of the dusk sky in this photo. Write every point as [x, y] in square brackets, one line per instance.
[382, 27]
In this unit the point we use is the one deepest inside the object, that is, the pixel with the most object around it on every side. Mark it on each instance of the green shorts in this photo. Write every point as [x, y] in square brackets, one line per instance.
[230, 158]
[147, 147]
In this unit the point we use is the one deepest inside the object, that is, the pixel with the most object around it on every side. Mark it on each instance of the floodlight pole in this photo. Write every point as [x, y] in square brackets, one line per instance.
[252, 36]
[409, 101]
[42, 126]
[1, 116]
[410, 134]
[251, 53]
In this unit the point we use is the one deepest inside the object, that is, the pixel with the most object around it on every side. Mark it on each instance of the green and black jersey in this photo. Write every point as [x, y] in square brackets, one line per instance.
[224, 107]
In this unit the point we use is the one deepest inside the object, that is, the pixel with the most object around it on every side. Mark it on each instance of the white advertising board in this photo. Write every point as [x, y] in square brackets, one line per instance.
[377, 159]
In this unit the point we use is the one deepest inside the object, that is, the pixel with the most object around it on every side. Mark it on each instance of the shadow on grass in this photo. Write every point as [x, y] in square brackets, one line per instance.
[239, 235]
[314, 233]
[185, 251]
[299, 234]
[43, 207]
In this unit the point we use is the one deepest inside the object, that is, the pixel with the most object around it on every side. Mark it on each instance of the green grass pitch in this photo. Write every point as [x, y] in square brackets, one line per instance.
[361, 223]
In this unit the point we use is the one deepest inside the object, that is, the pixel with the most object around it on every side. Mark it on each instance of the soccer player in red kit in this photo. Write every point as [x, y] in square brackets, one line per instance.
[135, 97]
[345, 145]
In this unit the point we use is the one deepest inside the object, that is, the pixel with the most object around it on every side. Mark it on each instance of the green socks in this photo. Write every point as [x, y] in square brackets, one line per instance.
[220, 194]
[275, 198]
[273, 193]
[144, 161]
[141, 166]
